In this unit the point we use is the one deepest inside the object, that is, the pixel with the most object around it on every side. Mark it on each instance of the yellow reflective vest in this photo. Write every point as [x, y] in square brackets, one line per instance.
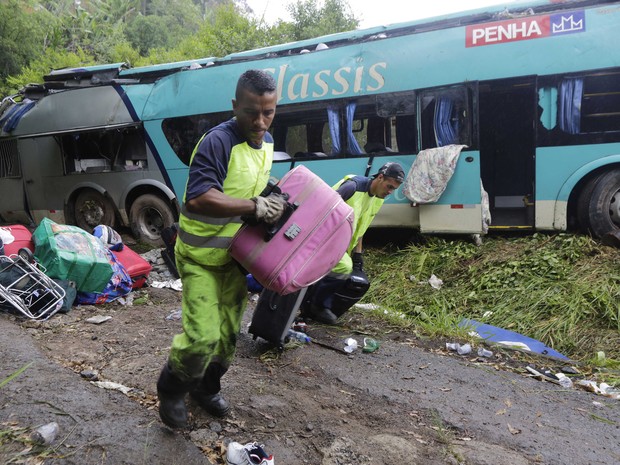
[205, 239]
[365, 208]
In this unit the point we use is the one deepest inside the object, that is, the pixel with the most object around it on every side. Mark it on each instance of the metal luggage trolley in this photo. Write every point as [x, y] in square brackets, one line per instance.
[26, 289]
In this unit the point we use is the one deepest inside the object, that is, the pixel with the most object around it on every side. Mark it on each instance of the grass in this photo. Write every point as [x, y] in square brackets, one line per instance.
[561, 289]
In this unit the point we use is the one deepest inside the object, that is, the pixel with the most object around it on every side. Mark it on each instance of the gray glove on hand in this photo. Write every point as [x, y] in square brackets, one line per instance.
[270, 209]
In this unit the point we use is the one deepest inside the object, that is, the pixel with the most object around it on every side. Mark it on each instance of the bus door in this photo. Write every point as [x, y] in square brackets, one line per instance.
[444, 119]
[13, 208]
[507, 114]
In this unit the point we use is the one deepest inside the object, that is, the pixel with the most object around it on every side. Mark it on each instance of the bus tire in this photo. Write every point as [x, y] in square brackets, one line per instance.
[583, 204]
[148, 216]
[92, 209]
[600, 205]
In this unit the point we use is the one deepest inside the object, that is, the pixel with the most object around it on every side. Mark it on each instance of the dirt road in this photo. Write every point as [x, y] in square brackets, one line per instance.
[410, 402]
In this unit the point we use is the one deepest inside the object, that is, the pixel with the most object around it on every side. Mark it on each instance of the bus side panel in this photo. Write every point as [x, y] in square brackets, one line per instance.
[13, 205]
[42, 161]
[558, 170]
[458, 210]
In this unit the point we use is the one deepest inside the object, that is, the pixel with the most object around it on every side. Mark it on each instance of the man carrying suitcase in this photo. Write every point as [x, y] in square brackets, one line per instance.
[229, 168]
[347, 282]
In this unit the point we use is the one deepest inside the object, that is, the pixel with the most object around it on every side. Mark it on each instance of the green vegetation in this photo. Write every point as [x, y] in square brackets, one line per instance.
[39, 36]
[563, 290]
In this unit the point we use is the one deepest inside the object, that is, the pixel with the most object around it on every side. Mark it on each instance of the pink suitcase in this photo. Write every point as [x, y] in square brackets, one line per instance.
[19, 236]
[303, 247]
[137, 267]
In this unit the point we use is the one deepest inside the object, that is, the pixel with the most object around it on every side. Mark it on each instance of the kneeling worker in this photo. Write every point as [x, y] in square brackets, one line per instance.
[365, 195]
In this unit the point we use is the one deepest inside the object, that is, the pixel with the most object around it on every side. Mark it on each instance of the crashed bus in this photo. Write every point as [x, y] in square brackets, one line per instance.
[528, 92]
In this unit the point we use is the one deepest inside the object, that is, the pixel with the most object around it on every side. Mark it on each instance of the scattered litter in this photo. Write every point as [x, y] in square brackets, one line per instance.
[127, 300]
[565, 381]
[367, 306]
[112, 386]
[172, 283]
[603, 389]
[509, 339]
[45, 435]
[570, 370]
[482, 352]
[97, 320]
[458, 348]
[547, 375]
[435, 282]
[370, 345]
[350, 345]
[175, 315]
[487, 314]
[512, 429]
[464, 349]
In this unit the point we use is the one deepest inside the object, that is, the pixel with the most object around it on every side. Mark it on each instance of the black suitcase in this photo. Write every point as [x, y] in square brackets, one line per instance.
[274, 316]
[350, 293]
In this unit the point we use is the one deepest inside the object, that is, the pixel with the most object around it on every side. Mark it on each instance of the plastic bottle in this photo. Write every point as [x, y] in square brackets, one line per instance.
[298, 336]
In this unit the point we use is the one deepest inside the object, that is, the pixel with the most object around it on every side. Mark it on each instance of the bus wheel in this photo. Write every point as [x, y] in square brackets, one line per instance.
[583, 204]
[599, 204]
[92, 209]
[148, 216]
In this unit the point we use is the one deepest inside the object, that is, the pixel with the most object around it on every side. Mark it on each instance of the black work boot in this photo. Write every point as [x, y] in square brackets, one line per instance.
[322, 315]
[171, 393]
[207, 393]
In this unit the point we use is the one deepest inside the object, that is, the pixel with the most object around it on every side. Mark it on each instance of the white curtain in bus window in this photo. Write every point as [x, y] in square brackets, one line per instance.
[446, 127]
[571, 93]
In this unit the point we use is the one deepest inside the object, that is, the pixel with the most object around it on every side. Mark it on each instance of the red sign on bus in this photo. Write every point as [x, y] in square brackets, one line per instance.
[535, 27]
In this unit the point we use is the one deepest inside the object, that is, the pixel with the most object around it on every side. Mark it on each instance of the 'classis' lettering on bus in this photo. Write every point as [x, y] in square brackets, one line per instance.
[326, 82]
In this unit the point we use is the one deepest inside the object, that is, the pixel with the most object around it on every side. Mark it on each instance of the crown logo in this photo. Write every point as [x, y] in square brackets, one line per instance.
[567, 24]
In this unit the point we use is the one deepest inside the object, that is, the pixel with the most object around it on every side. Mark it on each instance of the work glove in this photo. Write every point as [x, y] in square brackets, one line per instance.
[270, 209]
[358, 261]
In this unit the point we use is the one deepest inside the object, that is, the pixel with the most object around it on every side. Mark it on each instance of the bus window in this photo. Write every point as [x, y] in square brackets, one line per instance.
[444, 118]
[9, 163]
[184, 132]
[103, 150]
[303, 131]
[589, 104]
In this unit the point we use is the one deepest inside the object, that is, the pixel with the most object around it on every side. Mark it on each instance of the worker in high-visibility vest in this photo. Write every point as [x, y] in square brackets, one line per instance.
[347, 279]
[229, 168]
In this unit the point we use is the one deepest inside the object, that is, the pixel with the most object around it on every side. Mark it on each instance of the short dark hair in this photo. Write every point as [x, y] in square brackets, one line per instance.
[256, 81]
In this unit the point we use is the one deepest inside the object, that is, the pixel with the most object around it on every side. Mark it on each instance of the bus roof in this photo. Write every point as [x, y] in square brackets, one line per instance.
[504, 10]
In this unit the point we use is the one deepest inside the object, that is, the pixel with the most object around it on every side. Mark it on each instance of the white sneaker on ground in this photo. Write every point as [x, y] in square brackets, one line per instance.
[250, 454]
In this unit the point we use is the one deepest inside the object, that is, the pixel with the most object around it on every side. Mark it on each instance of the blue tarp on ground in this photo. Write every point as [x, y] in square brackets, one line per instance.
[504, 336]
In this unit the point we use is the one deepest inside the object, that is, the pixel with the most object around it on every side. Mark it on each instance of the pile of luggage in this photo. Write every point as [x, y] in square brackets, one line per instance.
[57, 266]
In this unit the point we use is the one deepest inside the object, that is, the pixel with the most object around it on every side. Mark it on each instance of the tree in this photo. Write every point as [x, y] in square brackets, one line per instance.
[311, 20]
[22, 35]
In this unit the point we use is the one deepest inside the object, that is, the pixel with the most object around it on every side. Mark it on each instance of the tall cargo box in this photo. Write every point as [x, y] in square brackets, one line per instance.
[305, 244]
[68, 252]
